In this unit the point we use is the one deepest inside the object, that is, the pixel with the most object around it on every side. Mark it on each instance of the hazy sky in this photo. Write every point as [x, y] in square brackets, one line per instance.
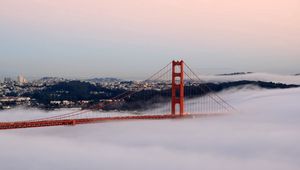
[134, 38]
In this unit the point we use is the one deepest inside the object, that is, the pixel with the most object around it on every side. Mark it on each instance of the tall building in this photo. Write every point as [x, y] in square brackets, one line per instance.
[22, 80]
[7, 80]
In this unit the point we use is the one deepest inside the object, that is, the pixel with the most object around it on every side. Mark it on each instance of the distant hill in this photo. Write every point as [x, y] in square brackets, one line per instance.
[79, 90]
[235, 73]
[102, 80]
[297, 74]
[261, 84]
[149, 97]
[73, 91]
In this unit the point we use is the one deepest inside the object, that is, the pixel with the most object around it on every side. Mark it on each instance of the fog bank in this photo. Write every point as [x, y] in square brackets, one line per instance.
[264, 135]
[267, 77]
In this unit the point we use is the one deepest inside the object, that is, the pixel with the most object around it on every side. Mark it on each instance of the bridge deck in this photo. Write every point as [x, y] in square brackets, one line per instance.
[43, 123]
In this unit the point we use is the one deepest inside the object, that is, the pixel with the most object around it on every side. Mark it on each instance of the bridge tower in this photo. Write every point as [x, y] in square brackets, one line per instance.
[177, 87]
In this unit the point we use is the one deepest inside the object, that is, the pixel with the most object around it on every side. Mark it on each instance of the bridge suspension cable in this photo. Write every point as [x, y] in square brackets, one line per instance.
[204, 83]
[101, 105]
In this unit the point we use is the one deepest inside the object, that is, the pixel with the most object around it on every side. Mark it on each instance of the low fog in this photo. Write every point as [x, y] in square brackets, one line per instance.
[264, 135]
[268, 77]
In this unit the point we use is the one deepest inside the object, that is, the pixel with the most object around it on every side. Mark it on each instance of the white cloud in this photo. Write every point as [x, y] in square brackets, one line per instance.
[264, 135]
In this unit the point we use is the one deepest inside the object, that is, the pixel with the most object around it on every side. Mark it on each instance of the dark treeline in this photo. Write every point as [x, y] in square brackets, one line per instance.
[73, 91]
[77, 90]
[150, 97]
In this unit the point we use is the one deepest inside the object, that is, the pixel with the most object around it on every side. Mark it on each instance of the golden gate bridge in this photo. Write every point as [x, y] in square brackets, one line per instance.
[179, 93]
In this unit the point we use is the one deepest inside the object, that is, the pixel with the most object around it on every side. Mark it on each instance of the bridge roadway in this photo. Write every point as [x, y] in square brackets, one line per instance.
[64, 122]
[43, 123]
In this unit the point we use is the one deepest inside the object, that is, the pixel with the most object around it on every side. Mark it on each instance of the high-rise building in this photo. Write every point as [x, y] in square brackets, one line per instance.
[22, 80]
[7, 80]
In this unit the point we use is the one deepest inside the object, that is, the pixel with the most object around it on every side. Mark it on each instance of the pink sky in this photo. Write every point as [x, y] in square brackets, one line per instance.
[269, 27]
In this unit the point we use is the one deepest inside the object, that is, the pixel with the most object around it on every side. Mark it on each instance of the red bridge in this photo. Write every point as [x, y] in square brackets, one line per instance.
[188, 95]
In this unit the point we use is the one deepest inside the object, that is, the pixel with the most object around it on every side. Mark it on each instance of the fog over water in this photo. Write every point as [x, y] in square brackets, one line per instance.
[263, 135]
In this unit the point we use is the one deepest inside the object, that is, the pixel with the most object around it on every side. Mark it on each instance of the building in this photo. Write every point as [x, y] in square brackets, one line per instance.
[7, 80]
[22, 80]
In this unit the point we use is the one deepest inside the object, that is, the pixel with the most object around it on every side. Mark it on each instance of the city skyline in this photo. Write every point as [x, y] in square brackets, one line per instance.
[130, 39]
